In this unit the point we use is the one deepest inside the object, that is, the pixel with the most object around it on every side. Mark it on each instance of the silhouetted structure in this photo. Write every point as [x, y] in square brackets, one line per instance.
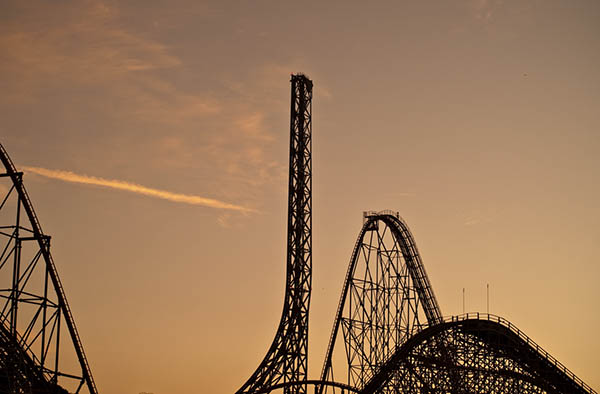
[394, 338]
[35, 311]
[286, 360]
[472, 353]
[386, 297]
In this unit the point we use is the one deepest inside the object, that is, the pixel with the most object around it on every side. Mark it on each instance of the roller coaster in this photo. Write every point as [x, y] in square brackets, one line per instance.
[389, 334]
[40, 348]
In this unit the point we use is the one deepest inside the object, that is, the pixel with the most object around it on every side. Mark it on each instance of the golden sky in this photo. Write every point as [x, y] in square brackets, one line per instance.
[477, 120]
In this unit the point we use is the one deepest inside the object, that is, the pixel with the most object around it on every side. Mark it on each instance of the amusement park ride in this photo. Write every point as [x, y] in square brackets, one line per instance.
[388, 336]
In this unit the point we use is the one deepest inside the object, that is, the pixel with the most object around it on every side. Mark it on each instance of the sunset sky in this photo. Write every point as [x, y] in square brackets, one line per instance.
[154, 137]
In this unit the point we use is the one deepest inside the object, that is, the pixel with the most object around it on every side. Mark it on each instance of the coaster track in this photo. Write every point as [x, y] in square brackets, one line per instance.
[394, 339]
[386, 297]
[491, 356]
[422, 352]
[287, 358]
[35, 310]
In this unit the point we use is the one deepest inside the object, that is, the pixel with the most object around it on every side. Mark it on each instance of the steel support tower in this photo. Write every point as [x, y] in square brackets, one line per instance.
[40, 346]
[287, 358]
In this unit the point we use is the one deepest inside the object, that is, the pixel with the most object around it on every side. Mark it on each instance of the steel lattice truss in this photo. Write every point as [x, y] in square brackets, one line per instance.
[40, 348]
[473, 354]
[287, 358]
[393, 337]
[395, 340]
[386, 299]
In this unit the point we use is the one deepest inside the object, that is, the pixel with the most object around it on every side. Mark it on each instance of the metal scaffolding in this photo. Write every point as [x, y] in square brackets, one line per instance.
[287, 358]
[35, 315]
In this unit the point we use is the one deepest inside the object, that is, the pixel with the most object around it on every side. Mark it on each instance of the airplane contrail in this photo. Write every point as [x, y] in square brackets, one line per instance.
[69, 176]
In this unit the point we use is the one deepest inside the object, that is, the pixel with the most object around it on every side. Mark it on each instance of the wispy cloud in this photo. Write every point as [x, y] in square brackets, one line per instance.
[69, 176]
[481, 216]
[88, 47]
[472, 221]
[484, 10]
[124, 84]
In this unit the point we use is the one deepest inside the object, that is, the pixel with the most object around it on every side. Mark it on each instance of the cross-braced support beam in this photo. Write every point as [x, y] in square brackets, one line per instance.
[287, 358]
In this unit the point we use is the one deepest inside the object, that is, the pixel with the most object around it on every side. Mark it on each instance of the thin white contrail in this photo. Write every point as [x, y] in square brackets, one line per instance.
[69, 176]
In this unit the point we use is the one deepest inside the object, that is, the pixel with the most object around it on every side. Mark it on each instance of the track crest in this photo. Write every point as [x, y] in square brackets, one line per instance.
[386, 298]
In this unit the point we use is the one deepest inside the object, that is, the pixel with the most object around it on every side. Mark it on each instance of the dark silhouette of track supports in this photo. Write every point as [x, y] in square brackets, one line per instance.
[386, 297]
[37, 329]
[393, 336]
[490, 355]
[287, 358]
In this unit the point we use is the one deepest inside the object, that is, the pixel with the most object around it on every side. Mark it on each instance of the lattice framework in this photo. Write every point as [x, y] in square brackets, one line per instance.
[40, 348]
[386, 298]
[488, 355]
[287, 358]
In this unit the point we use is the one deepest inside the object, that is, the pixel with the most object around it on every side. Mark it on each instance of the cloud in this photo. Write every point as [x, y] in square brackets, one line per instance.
[472, 221]
[89, 49]
[86, 43]
[484, 10]
[252, 126]
[121, 86]
[483, 216]
[69, 176]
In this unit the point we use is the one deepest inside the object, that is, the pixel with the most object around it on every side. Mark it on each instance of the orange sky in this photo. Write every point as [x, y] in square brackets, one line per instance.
[477, 120]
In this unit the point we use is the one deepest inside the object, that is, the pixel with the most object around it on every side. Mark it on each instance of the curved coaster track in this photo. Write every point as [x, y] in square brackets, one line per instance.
[40, 349]
[386, 298]
[395, 340]
[488, 354]
[388, 334]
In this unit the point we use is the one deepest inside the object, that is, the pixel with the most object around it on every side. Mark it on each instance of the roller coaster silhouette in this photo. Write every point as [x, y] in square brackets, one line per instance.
[393, 335]
[394, 338]
[40, 349]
